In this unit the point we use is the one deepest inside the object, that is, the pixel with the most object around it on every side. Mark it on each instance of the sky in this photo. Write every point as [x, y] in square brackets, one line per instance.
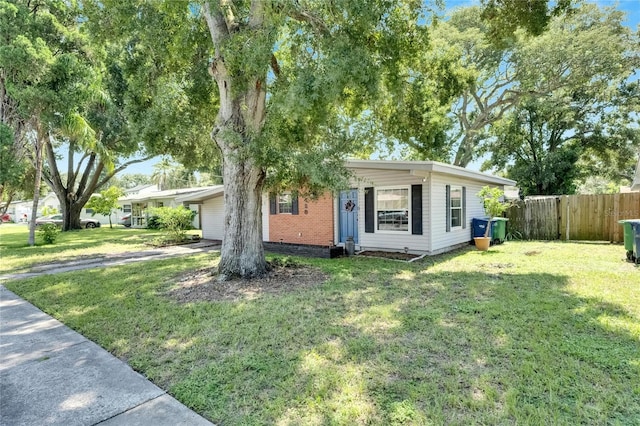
[631, 7]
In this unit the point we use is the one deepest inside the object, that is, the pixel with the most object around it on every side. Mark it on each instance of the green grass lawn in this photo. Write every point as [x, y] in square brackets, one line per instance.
[18, 256]
[527, 333]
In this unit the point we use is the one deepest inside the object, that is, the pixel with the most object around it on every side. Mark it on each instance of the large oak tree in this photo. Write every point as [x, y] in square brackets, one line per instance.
[588, 53]
[286, 81]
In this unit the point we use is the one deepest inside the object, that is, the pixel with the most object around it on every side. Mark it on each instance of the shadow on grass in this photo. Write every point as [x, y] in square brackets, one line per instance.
[380, 343]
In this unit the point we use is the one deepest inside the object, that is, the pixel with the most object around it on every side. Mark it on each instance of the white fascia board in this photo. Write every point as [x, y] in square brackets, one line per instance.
[214, 192]
[423, 168]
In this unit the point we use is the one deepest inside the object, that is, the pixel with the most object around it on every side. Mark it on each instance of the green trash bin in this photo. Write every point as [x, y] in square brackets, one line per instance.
[499, 231]
[629, 235]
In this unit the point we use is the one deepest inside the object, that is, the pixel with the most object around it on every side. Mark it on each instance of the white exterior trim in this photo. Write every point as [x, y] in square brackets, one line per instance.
[423, 168]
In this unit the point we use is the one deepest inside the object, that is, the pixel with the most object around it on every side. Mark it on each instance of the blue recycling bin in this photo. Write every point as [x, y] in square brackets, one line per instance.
[479, 227]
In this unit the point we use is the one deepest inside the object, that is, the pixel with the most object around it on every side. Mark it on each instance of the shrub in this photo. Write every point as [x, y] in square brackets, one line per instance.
[176, 221]
[493, 206]
[49, 232]
[154, 222]
[48, 211]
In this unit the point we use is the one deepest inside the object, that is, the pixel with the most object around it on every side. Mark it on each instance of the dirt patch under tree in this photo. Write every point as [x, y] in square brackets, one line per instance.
[203, 284]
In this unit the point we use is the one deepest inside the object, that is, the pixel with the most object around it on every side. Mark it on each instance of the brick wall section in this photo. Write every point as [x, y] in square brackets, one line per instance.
[314, 224]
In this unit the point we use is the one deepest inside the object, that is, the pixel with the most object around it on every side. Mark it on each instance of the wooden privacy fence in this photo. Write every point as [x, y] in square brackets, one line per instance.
[574, 217]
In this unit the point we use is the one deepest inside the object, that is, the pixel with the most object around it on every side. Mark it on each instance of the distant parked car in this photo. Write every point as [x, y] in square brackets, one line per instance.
[397, 217]
[125, 220]
[6, 218]
[56, 219]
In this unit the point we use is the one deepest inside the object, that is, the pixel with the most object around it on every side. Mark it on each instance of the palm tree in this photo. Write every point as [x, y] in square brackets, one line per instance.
[162, 172]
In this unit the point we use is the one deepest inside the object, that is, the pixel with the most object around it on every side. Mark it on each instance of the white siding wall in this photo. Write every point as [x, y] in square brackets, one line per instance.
[389, 240]
[441, 239]
[213, 218]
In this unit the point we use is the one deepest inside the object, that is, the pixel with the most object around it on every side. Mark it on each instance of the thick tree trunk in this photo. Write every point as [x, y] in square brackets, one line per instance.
[242, 253]
[71, 211]
[240, 118]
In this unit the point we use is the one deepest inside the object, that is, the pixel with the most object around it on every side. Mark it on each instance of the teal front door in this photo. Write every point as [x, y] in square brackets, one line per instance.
[349, 215]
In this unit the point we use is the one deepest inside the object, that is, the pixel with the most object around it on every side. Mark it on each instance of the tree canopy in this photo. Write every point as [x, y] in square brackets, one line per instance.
[575, 76]
[60, 90]
[272, 88]
[587, 125]
[42, 75]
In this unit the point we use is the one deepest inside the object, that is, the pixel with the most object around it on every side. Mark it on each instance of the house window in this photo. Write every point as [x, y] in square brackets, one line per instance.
[392, 209]
[88, 211]
[456, 206]
[285, 203]
[126, 208]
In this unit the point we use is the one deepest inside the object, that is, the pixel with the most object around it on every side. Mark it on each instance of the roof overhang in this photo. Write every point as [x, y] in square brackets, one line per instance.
[424, 168]
[175, 194]
[200, 196]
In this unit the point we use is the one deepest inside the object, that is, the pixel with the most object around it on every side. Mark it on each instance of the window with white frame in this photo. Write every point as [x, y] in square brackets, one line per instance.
[285, 203]
[456, 206]
[392, 209]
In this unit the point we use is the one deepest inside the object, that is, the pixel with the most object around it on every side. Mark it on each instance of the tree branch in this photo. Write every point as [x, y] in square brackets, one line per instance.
[120, 168]
[304, 16]
[229, 18]
[71, 178]
[256, 17]
[85, 175]
[85, 195]
[53, 177]
[217, 27]
[275, 66]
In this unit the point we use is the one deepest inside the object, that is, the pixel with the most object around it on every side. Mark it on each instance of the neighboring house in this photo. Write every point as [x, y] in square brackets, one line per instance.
[209, 203]
[17, 209]
[635, 185]
[415, 206]
[138, 204]
[144, 188]
[51, 201]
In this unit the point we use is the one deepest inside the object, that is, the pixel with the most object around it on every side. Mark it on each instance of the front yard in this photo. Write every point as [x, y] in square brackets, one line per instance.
[527, 333]
[17, 256]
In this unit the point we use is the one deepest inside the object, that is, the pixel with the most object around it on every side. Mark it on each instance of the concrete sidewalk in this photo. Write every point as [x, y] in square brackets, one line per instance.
[51, 375]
